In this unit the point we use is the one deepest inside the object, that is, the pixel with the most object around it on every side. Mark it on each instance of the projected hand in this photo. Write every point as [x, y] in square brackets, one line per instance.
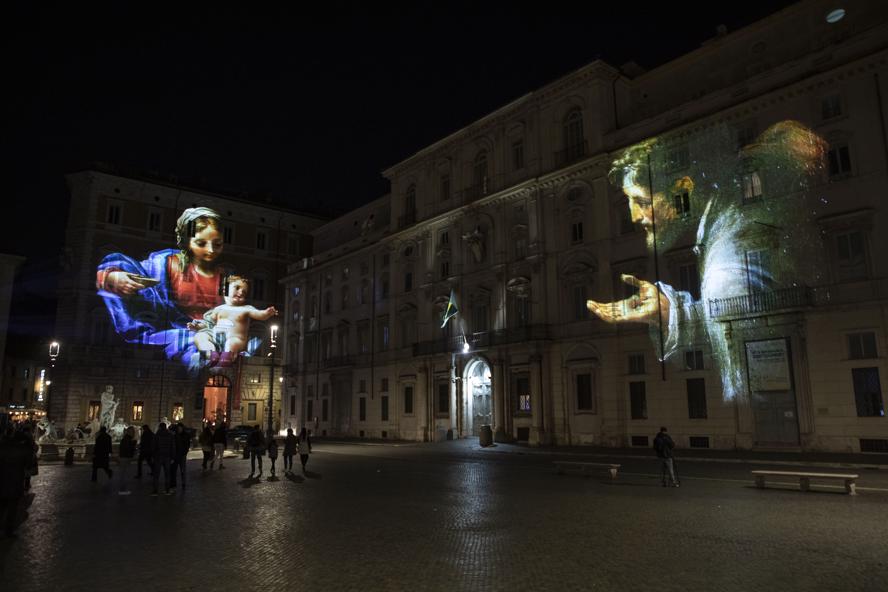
[641, 308]
[122, 284]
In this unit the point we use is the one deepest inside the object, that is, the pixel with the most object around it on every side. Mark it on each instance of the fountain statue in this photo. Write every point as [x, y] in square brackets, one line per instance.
[109, 407]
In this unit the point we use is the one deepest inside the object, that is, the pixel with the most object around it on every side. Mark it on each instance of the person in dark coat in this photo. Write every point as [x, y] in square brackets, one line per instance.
[664, 446]
[272, 452]
[162, 452]
[256, 444]
[183, 445]
[291, 444]
[125, 458]
[15, 455]
[146, 444]
[102, 454]
[220, 440]
[206, 445]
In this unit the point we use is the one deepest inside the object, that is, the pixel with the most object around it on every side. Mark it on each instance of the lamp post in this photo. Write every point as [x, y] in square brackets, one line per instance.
[54, 350]
[272, 347]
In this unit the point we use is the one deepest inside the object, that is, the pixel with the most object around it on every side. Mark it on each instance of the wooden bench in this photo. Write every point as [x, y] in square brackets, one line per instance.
[585, 467]
[805, 479]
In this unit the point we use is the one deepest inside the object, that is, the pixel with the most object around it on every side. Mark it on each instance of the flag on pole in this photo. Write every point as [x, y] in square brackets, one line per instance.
[450, 311]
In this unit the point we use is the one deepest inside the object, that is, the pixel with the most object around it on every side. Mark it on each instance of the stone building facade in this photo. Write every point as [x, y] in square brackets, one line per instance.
[516, 216]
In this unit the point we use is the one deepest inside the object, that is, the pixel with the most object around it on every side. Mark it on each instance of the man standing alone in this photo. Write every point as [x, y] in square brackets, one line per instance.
[663, 444]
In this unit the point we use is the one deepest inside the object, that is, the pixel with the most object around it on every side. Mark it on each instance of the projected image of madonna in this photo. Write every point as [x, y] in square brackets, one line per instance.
[152, 301]
[724, 222]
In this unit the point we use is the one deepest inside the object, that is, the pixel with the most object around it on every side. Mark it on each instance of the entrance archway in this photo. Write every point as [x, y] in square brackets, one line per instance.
[217, 402]
[479, 406]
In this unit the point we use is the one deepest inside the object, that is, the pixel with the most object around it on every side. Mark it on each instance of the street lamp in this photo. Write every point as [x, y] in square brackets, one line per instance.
[54, 350]
[272, 346]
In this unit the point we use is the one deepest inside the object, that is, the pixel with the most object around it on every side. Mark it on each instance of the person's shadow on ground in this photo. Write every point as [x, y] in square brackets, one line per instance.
[312, 475]
[273, 478]
[248, 482]
[295, 478]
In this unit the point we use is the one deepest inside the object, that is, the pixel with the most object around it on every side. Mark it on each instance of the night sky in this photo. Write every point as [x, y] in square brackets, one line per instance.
[305, 109]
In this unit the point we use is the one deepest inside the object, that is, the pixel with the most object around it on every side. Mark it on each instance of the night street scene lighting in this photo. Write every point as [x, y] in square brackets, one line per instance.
[538, 299]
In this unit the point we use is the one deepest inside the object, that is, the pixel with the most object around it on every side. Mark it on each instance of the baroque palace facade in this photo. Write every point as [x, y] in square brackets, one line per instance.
[516, 216]
[113, 212]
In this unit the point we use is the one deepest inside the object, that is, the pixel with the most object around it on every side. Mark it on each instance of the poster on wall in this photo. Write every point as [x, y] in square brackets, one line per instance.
[768, 363]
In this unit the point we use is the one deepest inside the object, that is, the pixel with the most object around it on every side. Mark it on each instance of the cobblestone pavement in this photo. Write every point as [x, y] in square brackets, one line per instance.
[449, 516]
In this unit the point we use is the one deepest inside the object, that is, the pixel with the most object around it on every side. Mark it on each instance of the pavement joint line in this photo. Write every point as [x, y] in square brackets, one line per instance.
[752, 461]
[723, 480]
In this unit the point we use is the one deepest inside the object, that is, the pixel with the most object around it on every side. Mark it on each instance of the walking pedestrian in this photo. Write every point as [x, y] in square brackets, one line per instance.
[102, 454]
[182, 446]
[291, 444]
[146, 445]
[206, 445]
[15, 456]
[304, 447]
[125, 459]
[161, 453]
[272, 452]
[256, 444]
[220, 437]
[664, 446]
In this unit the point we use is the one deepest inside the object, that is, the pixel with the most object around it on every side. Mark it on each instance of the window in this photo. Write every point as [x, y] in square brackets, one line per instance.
[328, 302]
[255, 378]
[479, 317]
[113, 214]
[138, 410]
[408, 400]
[326, 345]
[445, 187]
[521, 391]
[831, 106]
[365, 268]
[638, 400]
[678, 158]
[362, 386]
[867, 392]
[385, 260]
[580, 312]
[309, 409]
[696, 398]
[445, 238]
[636, 364]
[752, 187]
[520, 247]
[344, 297]
[227, 234]
[688, 280]
[758, 270]
[292, 404]
[92, 412]
[862, 345]
[362, 409]
[445, 269]
[344, 273]
[325, 409]
[443, 407]
[408, 281]
[384, 385]
[258, 289]
[585, 396]
[745, 134]
[839, 161]
[178, 412]
[576, 232]
[384, 408]
[694, 359]
[261, 239]
[363, 340]
[851, 255]
[518, 155]
[574, 142]
[154, 221]
[382, 332]
[364, 293]
[682, 204]
[251, 411]
[293, 245]
[480, 172]
[410, 205]
[385, 286]
[520, 311]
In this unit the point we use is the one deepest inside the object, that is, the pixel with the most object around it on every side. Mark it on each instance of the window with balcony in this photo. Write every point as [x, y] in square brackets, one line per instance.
[752, 187]
[638, 400]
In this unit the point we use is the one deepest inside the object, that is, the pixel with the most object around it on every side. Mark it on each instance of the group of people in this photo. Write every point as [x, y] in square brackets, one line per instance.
[258, 447]
[18, 462]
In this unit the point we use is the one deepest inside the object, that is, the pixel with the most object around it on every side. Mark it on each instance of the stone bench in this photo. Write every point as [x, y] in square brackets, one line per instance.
[585, 467]
[805, 479]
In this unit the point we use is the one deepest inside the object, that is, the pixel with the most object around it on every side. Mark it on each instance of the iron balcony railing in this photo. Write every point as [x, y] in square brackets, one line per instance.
[481, 340]
[756, 303]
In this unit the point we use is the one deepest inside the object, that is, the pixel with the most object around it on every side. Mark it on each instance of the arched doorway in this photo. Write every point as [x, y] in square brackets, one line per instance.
[217, 403]
[479, 405]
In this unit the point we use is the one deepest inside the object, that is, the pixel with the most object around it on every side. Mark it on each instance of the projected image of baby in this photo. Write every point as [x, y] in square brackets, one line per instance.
[224, 331]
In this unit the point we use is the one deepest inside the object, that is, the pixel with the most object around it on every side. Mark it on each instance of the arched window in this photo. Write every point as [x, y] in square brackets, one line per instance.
[480, 174]
[574, 141]
[410, 205]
